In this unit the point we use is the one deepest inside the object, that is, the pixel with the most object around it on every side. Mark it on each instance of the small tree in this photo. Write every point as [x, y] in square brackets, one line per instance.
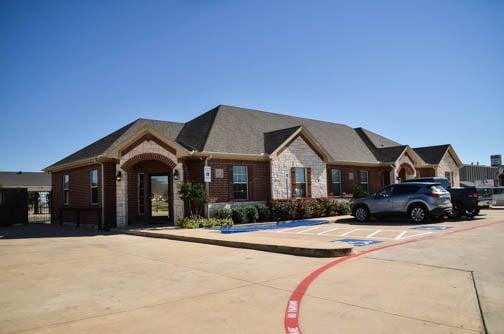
[194, 196]
[359, 193]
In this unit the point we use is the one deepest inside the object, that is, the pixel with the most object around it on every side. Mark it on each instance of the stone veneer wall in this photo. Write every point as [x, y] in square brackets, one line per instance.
[297, 154]
[403, 159]
[447, 164]
[122, 190]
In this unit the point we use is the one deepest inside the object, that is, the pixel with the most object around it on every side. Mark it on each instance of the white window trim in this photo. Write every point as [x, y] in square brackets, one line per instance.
[332, 180]
[305, 170]
[367, 179]
[91, 187]
[246, 182]
[66, 199]
[140, 176]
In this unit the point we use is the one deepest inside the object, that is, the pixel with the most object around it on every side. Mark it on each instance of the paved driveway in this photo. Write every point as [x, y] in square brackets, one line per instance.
[67, 280]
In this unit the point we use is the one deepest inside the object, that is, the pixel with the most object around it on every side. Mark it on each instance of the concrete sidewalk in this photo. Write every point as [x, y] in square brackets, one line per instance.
[248, 240]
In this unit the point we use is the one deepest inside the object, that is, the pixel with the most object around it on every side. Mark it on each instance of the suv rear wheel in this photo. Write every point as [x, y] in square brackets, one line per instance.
[361, 213]
[418, 214]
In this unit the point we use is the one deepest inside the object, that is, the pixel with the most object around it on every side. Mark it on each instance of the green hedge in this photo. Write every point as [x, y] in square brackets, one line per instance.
[197, 222]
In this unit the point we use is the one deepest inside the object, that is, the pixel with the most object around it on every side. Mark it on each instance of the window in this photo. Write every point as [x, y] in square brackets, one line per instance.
[240, 182]
[336, 182]
[385, 192]
[141, 193]
[364, 180]
[300, 182]
[405, 190]
[66, 182]
[93, 184]
[448, 175]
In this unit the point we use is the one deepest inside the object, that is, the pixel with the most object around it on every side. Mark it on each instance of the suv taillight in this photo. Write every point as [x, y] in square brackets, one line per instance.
[431, 194]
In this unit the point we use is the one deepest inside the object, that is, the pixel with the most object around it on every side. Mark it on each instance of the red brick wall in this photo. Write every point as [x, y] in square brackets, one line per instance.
[109, 203]
[375, 178]
[79, 194]
[146, 167]
[425, 172]
[221, 189]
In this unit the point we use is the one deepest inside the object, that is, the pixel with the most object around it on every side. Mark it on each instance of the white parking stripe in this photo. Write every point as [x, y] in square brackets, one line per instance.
[374, 233]
[281, 230]
[330, 230]
[416, 235]
[349, 232]
[400, 235]
[310, 229]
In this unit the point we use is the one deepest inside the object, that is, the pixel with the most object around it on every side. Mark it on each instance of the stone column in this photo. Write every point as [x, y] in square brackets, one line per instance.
[122, 198]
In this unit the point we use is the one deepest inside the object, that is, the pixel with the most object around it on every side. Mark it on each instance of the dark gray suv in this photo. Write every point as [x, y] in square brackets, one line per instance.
[418, 200]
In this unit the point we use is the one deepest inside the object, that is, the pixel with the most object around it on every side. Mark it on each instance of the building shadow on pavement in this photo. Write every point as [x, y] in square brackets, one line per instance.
[28, 231]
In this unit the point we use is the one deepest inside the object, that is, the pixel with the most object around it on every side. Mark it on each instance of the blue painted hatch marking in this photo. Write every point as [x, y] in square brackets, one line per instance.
[358, 242]
[273, 226]
[431, 228]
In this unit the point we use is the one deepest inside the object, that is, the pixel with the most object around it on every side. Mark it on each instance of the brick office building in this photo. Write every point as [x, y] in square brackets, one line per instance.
[132, 175]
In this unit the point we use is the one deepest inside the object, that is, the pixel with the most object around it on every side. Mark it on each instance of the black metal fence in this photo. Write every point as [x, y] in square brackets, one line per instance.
[39, 207]
[19, 206]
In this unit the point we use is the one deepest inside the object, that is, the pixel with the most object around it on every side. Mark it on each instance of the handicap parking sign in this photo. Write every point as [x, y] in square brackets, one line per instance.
[431, 228]
[358, 242]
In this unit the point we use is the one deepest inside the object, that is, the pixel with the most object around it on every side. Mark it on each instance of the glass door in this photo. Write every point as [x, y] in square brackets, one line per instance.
[159, 197]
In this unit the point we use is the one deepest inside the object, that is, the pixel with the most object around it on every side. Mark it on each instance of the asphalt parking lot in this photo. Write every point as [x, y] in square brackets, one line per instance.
[68, 280]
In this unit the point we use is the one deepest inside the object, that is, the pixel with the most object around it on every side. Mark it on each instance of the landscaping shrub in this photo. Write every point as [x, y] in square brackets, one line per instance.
[224, 213]
[332, 207]
[359, 193]
[264, 213]
[190, 222]
[227, 222]
[251, 214]
[344, 208]
[238, 216]
[197, 222]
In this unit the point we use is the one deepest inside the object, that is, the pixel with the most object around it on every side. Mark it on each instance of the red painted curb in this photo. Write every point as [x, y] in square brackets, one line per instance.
[292, 311]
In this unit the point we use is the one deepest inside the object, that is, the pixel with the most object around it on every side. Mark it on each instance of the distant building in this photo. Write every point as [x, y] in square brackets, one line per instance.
[483, 176]
[37, 184]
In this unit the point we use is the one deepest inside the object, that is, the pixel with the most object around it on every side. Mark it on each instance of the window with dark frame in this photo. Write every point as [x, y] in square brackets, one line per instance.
[336, 182]
[93, 184]
[141, 193]
[364, 182]
[66, 195]
[300, 182]
[240, 182]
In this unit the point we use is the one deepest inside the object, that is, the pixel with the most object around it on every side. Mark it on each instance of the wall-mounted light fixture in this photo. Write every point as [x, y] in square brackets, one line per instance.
[176, 175]
[118, 176]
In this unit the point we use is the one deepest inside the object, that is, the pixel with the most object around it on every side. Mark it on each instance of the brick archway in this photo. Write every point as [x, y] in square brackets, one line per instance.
[148, 156]
[404, 170]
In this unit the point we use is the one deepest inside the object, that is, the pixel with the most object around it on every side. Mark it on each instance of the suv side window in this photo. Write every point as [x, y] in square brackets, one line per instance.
[385, 192]
[405, 190]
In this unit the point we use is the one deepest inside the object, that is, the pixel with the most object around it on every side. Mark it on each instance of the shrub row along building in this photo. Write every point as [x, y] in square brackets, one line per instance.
[132, 175]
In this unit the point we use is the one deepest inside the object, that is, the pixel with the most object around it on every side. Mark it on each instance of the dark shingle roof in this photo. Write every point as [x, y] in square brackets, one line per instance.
[229, 129]
[385, 152]
[432, 154]
[169, 129]
[273, 139]
[377, 140]
[25, 179]
[240, 130]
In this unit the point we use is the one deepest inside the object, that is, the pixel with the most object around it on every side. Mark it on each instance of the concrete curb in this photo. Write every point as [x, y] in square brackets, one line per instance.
[332, 251]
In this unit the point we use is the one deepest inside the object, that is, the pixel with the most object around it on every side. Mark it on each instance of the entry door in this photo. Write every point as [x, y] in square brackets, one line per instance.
[159, 197]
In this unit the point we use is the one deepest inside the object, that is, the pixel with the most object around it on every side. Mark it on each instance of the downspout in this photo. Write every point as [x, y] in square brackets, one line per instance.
[207, 187]
[103, 194]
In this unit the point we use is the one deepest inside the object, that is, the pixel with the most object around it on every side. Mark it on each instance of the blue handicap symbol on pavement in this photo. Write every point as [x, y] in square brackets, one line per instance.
[358, 242]
[431, 228]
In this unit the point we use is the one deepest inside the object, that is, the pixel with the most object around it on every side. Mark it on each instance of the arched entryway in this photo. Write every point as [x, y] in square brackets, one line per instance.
[405, 172]
[149, 188]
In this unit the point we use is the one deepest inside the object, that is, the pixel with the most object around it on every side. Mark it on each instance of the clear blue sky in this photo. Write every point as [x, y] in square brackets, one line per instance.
[421, 72]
